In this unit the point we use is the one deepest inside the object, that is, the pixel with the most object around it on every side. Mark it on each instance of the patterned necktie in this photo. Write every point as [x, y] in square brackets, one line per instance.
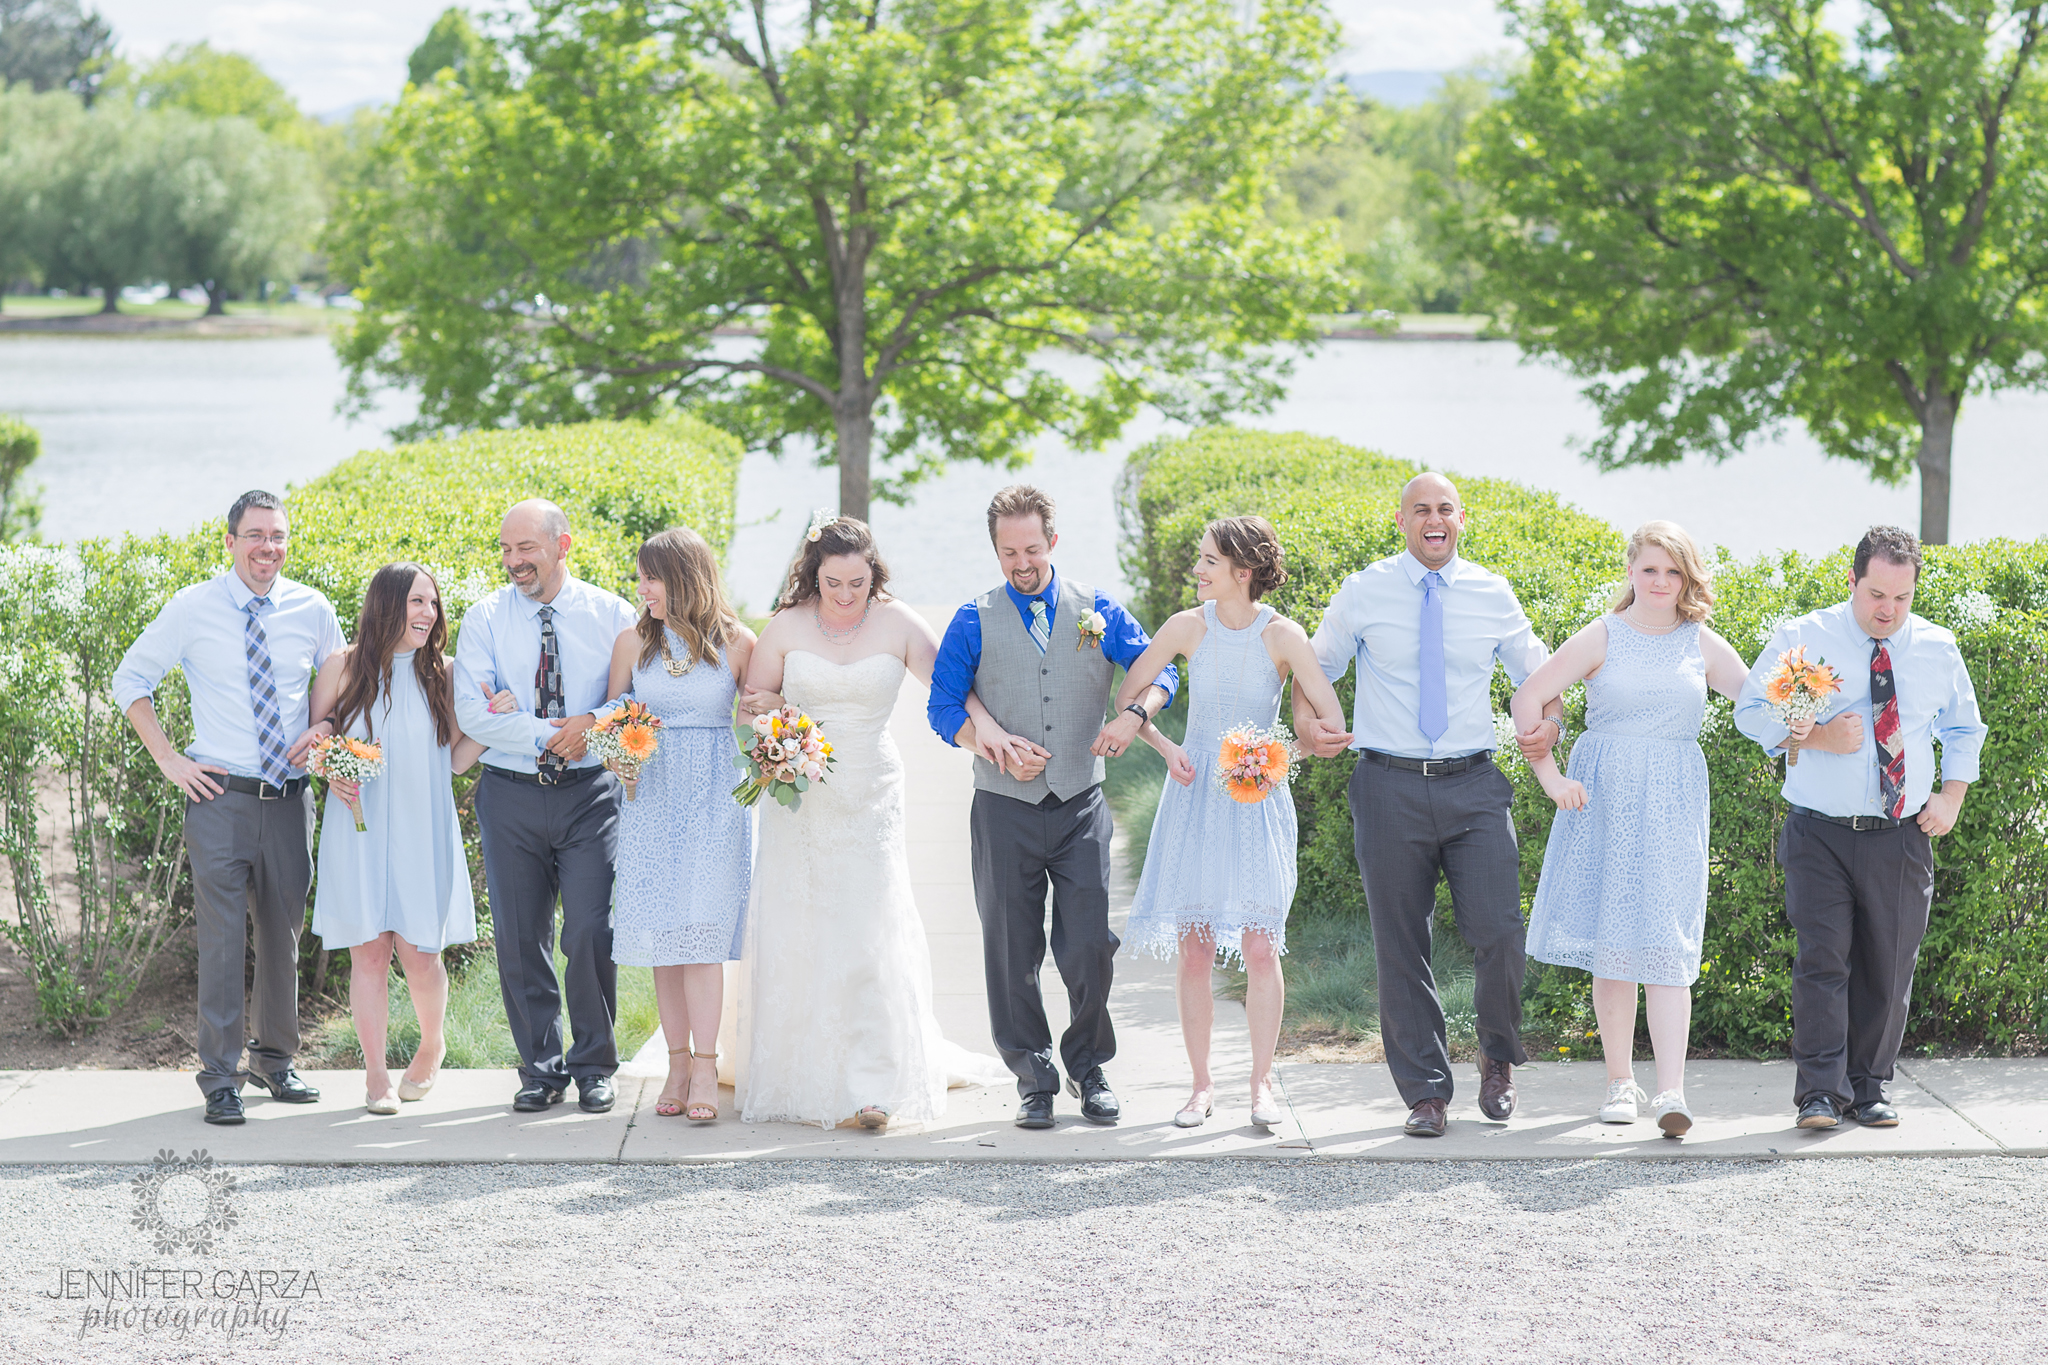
[1891, 744]
[270, 745]
[1041, 628]
[1433, 717]
[547, 686]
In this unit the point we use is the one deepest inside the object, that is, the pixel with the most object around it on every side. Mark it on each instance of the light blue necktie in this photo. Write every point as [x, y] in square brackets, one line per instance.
[1433, 717]
[263, 695]
[1041, 629]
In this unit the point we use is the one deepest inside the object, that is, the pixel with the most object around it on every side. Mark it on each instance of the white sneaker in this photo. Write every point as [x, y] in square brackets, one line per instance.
[1623, 1097]
[1672, 1115]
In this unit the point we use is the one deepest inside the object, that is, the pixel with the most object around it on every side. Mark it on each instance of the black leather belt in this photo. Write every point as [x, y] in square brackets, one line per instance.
[1430, 767]
[1862, 824]
[568, 777]
[266, 791]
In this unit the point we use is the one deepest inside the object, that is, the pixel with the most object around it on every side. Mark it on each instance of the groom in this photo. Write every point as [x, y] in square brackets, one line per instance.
[1041, 653]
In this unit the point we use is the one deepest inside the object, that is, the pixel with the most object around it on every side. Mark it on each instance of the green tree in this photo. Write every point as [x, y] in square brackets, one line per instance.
[52, 45]
[32, 127]
[452, 44]
[95, 221]
[215, 84]
[21, 510]
[1730, 215]
[912, 202]
[231, 207]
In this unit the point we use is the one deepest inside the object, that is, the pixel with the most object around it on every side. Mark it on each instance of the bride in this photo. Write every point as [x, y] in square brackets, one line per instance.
[835, 1018]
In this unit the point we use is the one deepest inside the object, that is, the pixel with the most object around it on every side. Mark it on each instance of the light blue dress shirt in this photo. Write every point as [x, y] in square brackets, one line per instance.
[499, 649]
[203, 631]
[1936, 702]
[1376, 619]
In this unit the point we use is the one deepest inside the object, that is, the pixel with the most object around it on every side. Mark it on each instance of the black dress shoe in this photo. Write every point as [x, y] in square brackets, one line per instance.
[1875, 1114]
[285, 1085]
[534, 1096]
[224, 1105]
[1036, 1111]
[1098, 1101]
[595, 1095]
[1820, 1112]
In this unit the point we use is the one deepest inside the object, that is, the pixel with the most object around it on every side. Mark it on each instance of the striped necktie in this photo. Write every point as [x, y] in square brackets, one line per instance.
[1041, 628]
[547, 686]
[270, 744]
[1884, 725]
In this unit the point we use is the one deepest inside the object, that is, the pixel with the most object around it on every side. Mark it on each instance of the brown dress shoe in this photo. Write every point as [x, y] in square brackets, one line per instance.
[1426, 1119]
[1496, 1088]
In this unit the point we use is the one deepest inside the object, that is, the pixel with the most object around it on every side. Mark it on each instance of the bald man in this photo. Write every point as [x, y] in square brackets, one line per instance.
[1425, 629]
[549, 810]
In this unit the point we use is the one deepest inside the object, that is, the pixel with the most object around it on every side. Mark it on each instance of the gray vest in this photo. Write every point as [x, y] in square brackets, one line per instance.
[1057, 700]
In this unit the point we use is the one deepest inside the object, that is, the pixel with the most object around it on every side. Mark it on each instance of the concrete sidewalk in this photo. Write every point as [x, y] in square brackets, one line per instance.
[1950, 1108]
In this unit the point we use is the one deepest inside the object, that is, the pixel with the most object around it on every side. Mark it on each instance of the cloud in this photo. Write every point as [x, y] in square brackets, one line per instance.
[1418, 35]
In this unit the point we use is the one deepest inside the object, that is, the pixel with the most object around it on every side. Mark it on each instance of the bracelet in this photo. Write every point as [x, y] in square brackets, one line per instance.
[1137, 708]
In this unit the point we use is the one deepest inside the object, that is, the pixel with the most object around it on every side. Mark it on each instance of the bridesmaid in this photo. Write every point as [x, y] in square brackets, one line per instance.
[403, 885]
[1624, 887]
[1219, 875]
[685, 858]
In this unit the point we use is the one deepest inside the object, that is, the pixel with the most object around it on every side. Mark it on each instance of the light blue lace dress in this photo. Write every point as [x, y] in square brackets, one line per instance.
[1624, 888]
[1214, 862]
[686, 848]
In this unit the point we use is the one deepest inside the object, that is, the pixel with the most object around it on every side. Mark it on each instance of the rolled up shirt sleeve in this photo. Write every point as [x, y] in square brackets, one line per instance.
[1124, 640]
[1753, 714]
[1960, 728]
[155, 653]
[476, 673]
[959, 659]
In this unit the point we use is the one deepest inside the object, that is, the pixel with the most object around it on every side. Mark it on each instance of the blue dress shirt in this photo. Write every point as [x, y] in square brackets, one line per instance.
[203, 631]
[1376, 620]
[1123, 640]
[499, 648]
[1936, 702]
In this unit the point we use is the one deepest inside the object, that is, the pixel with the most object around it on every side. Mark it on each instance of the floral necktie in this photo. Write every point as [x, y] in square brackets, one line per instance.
[1891, 743]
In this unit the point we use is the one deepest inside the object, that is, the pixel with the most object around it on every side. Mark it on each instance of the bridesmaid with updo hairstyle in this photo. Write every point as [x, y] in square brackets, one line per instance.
[1219, 873]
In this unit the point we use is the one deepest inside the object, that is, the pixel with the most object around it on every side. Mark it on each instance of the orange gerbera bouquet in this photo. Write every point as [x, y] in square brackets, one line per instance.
[1254, 763]
[1798, 690]
[626, 740]
[351, 760]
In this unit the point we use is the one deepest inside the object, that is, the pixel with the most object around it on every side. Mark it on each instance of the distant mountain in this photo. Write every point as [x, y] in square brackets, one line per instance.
[1397, 88]
[347, 111]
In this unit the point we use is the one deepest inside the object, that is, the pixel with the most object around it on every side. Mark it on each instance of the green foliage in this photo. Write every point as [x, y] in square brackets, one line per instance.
[53, 45]
[1984, 968]
[914, 204]
[67, 615]
[215, 85]
[1730, 215]
[452, 44]
[21, 511]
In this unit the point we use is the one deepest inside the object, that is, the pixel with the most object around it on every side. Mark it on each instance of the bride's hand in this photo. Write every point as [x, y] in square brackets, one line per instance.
[758, 703]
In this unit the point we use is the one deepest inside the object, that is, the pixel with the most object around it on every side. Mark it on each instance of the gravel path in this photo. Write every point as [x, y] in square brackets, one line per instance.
[1600, 1261]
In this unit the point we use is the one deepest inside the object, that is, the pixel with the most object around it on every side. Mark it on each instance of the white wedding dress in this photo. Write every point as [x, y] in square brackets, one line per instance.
[835, 996]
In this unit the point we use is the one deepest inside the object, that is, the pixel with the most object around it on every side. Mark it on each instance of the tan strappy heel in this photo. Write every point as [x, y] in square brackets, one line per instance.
[665, 1106]
[701, 1112]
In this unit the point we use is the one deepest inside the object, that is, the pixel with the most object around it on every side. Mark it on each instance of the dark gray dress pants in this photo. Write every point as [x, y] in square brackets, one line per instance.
[1408, 830]
[542, 844]
[1858, 900]
[1020, 849]
[252, 861]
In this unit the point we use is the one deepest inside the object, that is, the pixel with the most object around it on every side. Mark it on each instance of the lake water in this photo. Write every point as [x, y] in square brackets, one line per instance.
[144, 434]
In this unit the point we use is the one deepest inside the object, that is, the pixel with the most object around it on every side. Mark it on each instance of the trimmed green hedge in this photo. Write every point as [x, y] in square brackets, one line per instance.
[67, 615]
[1984, 968]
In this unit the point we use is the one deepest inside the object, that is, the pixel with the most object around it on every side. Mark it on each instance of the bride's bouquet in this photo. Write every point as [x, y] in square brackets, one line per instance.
[1253, 763]
[783, 753]
[351, 760]
[626, 740]
[1798, 690]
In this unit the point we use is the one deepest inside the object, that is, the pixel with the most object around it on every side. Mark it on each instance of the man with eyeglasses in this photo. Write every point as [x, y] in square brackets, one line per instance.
[248, 641]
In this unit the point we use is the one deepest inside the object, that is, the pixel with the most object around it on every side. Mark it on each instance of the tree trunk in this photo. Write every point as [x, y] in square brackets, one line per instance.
[1937, 440]
[112, 293]
[216, 299]
[856, 438]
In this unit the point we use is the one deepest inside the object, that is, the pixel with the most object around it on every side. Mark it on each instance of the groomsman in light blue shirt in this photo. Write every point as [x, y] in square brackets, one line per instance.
[1425, 629]
[1857, 844]
[249, 641]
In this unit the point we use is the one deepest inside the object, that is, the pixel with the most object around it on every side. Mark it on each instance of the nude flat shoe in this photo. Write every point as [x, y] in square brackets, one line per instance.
[409, 1089]
[387, 1104]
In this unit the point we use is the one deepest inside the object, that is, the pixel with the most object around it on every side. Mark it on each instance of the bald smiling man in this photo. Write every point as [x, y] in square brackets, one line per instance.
[1425, 629]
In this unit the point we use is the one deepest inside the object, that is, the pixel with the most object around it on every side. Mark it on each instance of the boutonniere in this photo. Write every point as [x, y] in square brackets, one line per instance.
[1092, 628]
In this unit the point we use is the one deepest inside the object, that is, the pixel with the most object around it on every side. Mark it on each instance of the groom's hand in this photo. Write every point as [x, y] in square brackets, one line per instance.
[1116, 737]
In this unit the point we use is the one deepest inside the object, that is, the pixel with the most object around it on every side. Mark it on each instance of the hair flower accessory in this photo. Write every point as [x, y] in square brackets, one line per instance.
[820, 519]
[1092, 628]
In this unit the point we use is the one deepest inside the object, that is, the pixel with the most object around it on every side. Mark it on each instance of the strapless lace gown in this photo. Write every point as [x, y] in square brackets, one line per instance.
[835, 1012]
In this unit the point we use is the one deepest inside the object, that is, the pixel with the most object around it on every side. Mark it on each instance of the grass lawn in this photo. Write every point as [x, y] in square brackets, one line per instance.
[43, 306]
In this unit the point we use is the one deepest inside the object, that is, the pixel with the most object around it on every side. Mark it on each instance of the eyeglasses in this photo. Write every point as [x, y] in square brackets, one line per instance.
[276, 540]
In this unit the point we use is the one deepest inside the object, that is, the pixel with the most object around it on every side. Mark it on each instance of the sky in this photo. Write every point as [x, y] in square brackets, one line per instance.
[335, 54]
